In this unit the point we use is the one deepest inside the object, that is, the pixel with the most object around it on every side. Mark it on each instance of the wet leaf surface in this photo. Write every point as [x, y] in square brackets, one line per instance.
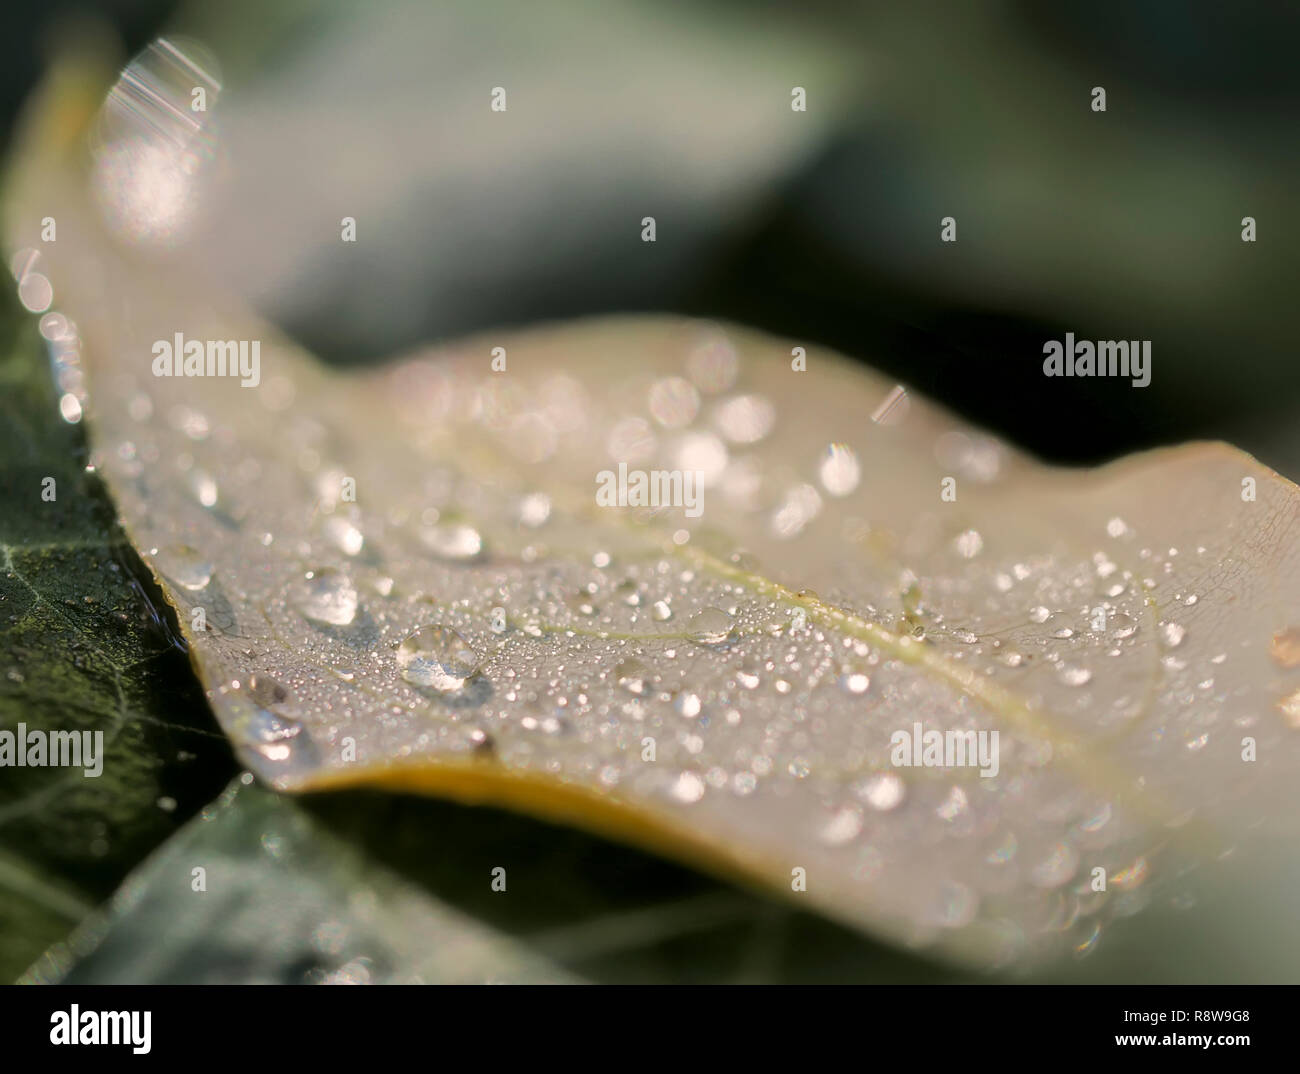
[406, 580]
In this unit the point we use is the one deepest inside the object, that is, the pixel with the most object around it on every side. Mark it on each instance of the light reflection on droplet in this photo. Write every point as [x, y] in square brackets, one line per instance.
[839, 470]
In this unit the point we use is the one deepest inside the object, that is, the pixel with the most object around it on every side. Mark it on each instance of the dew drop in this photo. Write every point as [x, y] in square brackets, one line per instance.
[345, 536]
[326, 595]
[883, 791]
[843, 827]
[456, 541]
[687, 787]
[437, 657]
[1056, 867]
[856, 683]
[687, 704]
[711, 626]
[204, 488]
[969, 544]
[839, 471]
[266, 691]
[1285, 648]
[1075, 676]
[1173, 634]
[183, 565]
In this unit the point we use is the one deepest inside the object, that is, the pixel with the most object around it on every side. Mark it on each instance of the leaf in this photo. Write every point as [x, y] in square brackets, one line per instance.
[280, 901]
[80, 649]
[827, 600]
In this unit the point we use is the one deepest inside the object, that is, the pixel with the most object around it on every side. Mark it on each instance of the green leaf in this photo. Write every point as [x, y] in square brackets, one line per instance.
[254, 891]
[376, 888]
[724, 688]
[80, 649]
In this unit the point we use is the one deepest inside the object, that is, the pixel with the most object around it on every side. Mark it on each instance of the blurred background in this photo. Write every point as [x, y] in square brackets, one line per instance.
[822, 225]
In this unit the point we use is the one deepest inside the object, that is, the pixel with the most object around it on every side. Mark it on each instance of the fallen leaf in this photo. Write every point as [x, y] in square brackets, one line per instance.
[724, 688]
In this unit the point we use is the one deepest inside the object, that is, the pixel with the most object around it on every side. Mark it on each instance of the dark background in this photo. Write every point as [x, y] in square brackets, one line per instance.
[820, 260]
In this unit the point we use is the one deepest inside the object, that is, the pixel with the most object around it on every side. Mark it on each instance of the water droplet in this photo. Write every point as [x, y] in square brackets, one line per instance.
[345, 536]
[1075, 676]
[711, 626]
[856, 683]
[1056, 867]
[839, 471]
[687, 704]
[534, 509]
[969, 544]
[843, 827]
[437, 657]
[184, 566]
[1285, 648]
[203, 487]
[1172, 634]
[1289, 706]
[455, 541]
[661, 611]
[673, 402]
[687, 787]
[712, 363]
[266, 691]
[883, 791]
[632, 675]
[326, 595]
[744, 419]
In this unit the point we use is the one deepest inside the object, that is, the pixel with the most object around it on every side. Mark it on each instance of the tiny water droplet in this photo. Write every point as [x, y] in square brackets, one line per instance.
[1285, 648]
[1172, 634]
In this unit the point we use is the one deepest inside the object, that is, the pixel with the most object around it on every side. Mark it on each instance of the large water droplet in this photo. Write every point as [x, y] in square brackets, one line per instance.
[184, 566]
[437, 657]
[711, 626]
[326, 596]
